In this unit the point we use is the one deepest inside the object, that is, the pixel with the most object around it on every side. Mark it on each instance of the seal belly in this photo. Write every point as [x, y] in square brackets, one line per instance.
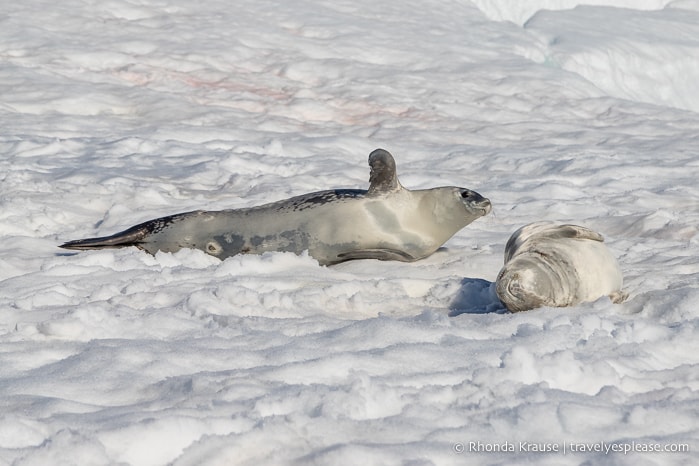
[366, 228]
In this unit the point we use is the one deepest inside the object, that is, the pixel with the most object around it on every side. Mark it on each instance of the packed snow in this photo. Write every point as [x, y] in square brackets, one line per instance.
[116, 112]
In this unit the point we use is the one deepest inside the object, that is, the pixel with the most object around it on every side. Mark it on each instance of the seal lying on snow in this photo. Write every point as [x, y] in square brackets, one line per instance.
[386, 222]
[548, 264]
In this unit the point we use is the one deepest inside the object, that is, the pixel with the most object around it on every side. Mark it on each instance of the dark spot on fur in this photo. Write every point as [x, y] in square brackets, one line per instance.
[308, 201]
[232, 243]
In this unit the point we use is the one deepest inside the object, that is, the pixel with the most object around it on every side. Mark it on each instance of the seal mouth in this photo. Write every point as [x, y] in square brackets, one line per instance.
[483, 206]
[486, 207]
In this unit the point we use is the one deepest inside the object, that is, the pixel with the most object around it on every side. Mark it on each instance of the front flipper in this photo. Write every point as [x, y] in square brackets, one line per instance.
[574, 232]
[379, 254]
[382, 177]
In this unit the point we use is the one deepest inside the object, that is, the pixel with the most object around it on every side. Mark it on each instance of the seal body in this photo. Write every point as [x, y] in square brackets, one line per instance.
[386, 222]
[549, 264]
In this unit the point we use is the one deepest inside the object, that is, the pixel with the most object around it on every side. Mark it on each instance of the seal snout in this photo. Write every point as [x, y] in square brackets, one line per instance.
[475, 201]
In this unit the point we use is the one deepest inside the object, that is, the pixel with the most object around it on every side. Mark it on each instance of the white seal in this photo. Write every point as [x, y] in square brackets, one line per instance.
[549, 264]
[386, 222]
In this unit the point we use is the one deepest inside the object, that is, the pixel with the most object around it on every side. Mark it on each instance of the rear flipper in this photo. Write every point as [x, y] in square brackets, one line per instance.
[134, 236]
[619, 296]
[144, 236]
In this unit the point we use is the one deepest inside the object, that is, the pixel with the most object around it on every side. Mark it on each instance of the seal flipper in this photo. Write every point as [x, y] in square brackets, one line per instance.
[575, 232]
[382, 178]
[380, 254]
[618, 297]
[534, 232]
[550, 230]
[134, 236]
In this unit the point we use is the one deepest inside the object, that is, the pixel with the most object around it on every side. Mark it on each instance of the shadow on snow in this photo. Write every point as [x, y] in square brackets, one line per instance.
[476, 296]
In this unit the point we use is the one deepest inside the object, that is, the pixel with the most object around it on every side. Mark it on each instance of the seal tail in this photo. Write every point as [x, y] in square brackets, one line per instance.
[134, 236]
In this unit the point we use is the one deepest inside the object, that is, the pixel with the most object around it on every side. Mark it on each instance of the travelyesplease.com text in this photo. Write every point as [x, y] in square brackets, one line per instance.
[569, 447]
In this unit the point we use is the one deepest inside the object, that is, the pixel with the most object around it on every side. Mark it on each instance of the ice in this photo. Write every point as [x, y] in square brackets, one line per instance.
[113, 113]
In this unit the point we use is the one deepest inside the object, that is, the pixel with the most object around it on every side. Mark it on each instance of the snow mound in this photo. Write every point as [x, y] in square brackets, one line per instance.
[646, 56]
[519, 11]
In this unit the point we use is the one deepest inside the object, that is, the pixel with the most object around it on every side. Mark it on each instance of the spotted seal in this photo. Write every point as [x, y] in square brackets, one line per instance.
[386, 222]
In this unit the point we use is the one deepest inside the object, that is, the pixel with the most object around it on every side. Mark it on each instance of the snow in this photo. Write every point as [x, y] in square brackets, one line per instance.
[519, 12]
[116, 112]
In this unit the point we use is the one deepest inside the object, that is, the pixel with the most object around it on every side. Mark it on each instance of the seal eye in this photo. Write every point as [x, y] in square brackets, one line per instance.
[475, 199]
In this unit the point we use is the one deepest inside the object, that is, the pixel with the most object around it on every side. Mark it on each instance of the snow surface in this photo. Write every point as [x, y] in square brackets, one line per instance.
[115, 112]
